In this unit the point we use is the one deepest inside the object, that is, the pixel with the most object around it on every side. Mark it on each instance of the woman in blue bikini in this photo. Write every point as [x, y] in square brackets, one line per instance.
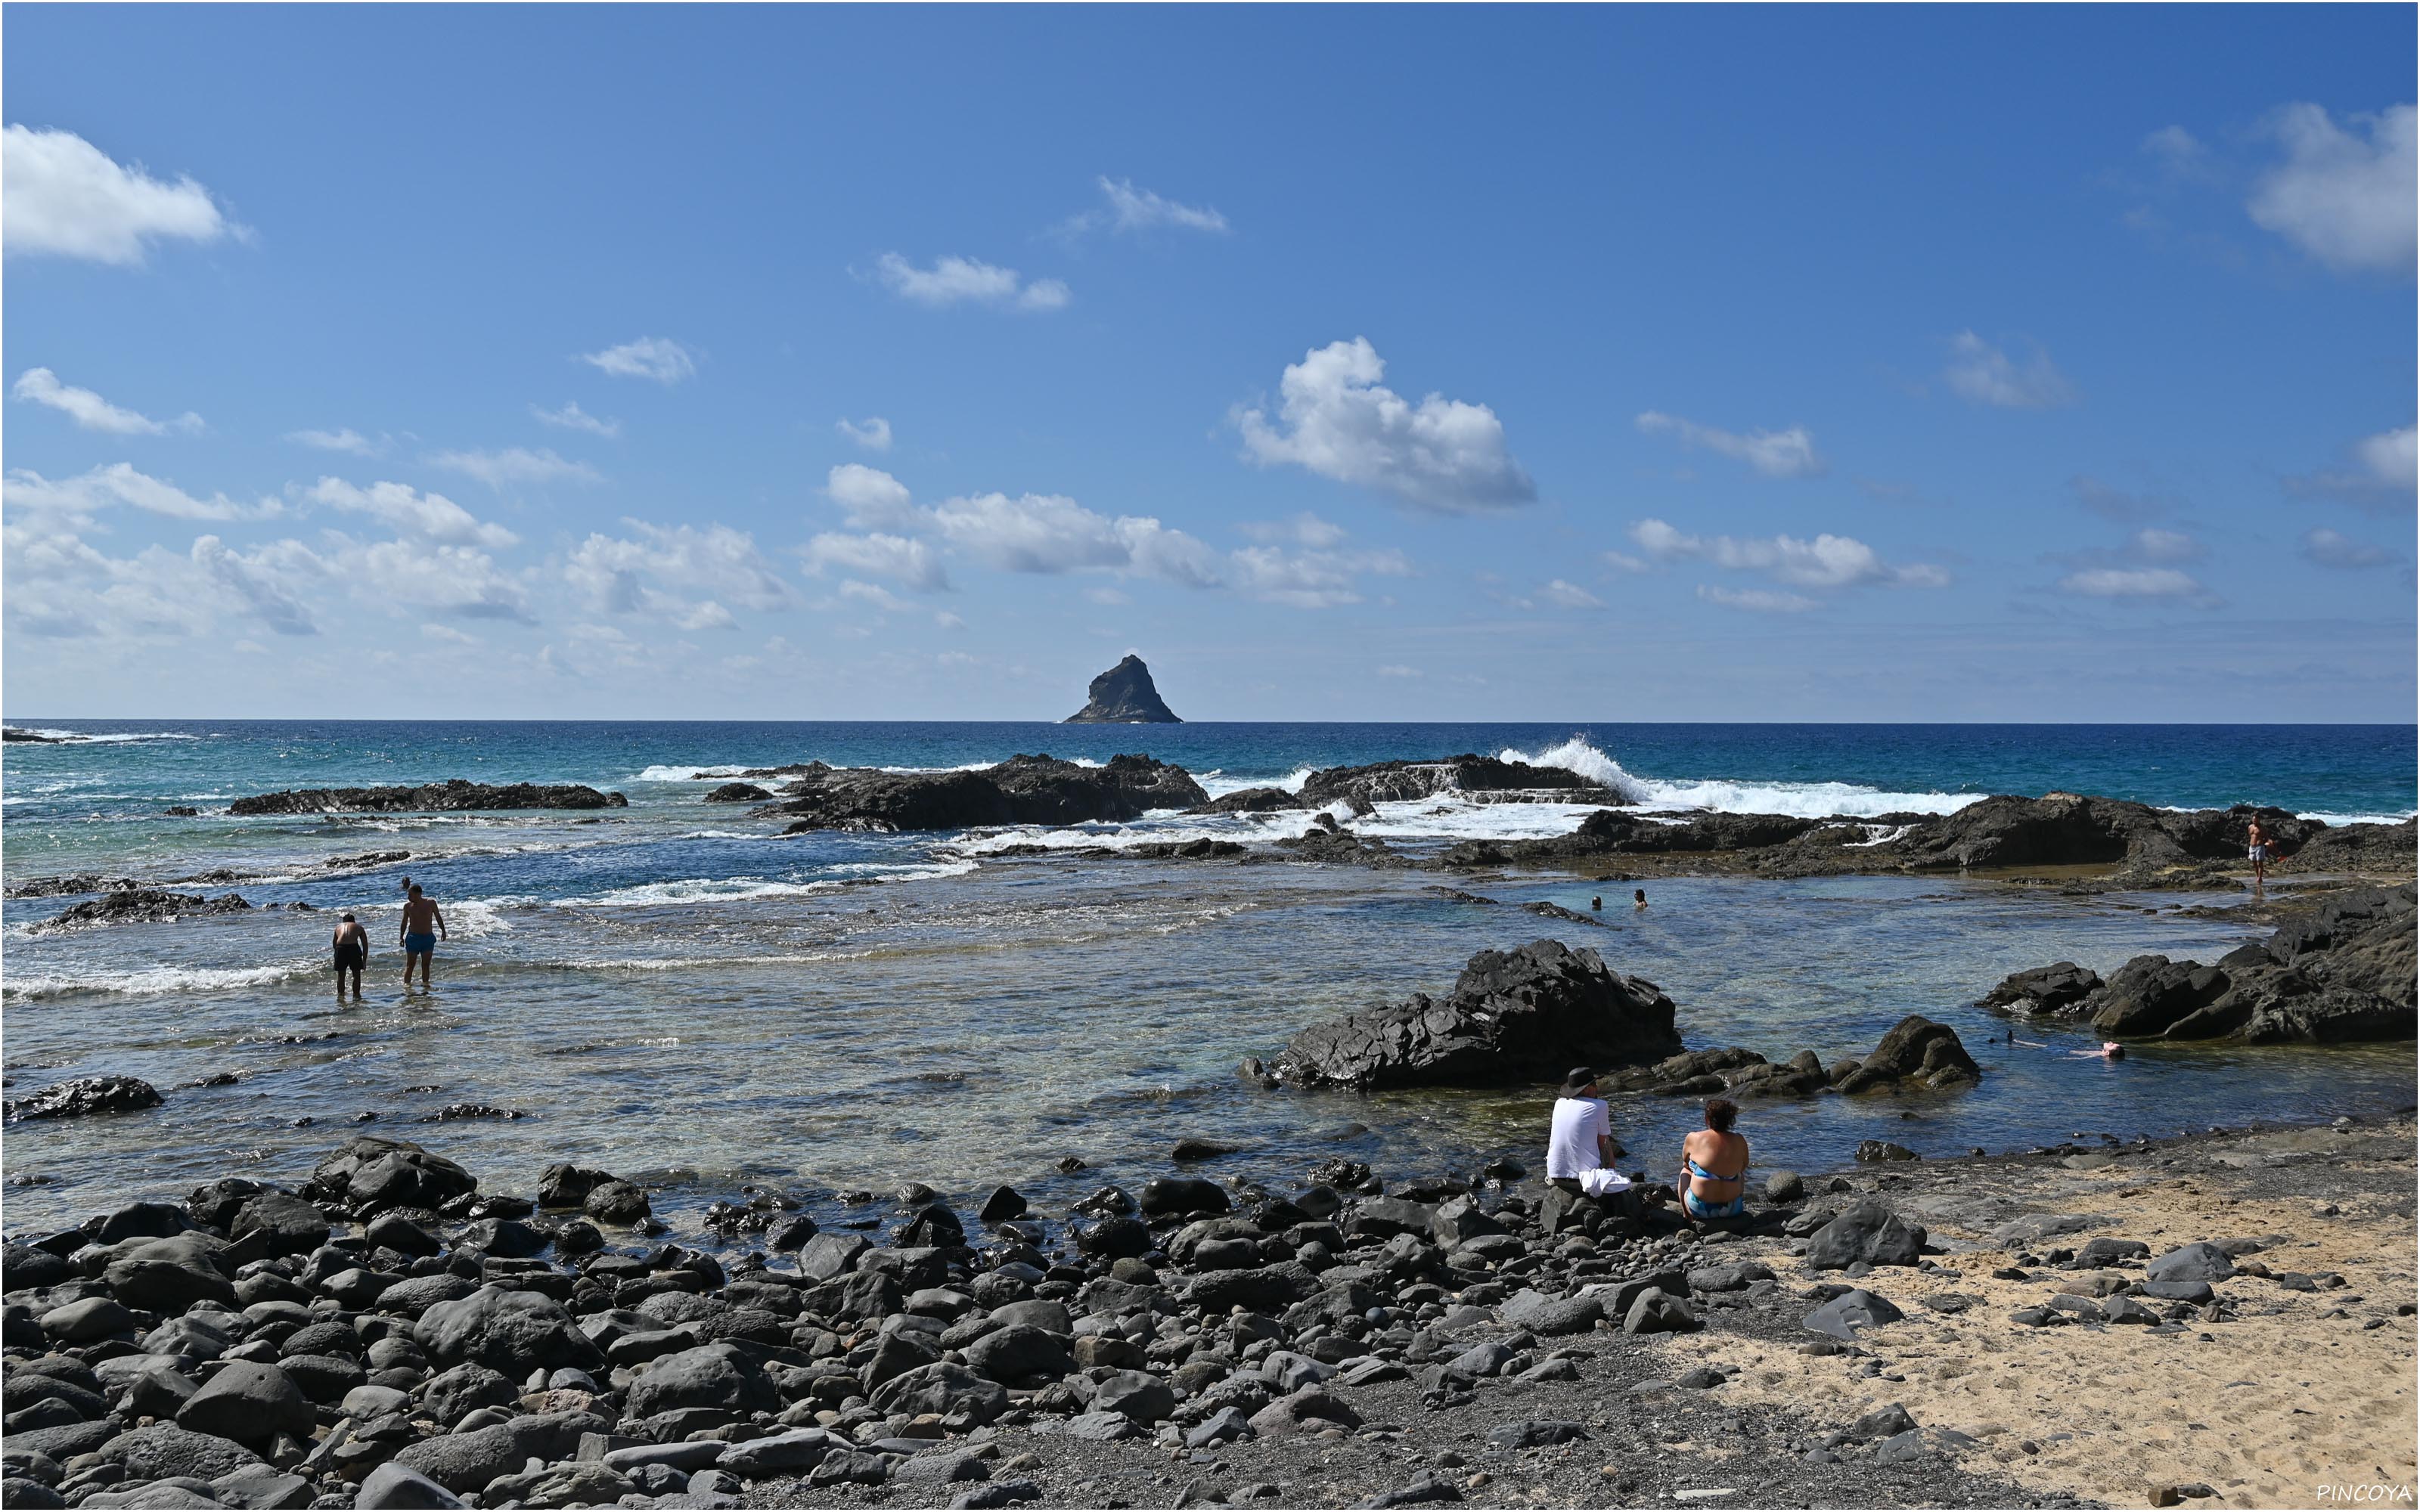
[1713, 1165]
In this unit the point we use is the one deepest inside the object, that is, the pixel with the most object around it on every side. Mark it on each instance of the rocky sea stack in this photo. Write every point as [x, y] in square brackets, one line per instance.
[1124, 695]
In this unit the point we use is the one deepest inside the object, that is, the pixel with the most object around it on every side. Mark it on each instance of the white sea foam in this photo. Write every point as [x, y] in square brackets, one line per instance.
[78, 737]
[742, 890]
[1807, 800]
[685, 774]
[1216, 783]
[28, 987]
[2326, 818]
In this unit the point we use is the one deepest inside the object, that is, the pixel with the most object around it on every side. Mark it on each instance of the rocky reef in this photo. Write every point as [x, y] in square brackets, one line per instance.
[1485, 779]
[1124, 695]
[1514, 1016]
[1023, 790]
[2340, 969]
[455, 796]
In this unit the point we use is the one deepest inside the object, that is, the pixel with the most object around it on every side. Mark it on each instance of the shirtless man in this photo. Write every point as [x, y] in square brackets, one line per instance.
[2257, 840]
[421, 917]
[353, 948]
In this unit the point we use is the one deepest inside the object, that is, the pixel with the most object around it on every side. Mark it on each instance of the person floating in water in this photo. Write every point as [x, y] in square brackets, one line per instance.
[2257, 840]
[1596, 904]
[1638, 899]
[423, 925]
[353, 948]
[2110, 1050]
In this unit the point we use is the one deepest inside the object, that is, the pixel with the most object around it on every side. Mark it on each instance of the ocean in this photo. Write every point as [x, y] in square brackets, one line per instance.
[678, 993]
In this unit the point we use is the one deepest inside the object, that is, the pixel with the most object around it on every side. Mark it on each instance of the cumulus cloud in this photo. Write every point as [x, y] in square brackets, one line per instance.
[2344, 198]
[347, 440]
[1128, 208]
[571, 417]
[874, 594]
[897, 557]
[1758, 600]
[2164, 546]
[421, 516]
[1335, 418]
[2327, 548]
[873, 432]
[1825, 561]
[1776, 453]
[1315, 577]
[2386, 472]
[649, 356]
[2131, 582]
[255, 580]
[89, 410]
[964, 281]
[1981, 371]
[459, 580]
[88, 493]
[1052, 533]
[618, 574]
[515, 465]
[873, 499]
[61, 196]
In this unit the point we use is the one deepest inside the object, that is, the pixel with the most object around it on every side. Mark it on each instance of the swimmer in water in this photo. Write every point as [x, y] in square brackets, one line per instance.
[1596, 904]
[2110, 1050]
[1638, 899]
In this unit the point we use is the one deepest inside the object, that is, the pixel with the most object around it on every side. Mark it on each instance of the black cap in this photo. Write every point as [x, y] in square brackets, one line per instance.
[1579, 1078]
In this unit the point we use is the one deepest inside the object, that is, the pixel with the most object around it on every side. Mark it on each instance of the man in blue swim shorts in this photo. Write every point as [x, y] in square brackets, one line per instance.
[423, 925]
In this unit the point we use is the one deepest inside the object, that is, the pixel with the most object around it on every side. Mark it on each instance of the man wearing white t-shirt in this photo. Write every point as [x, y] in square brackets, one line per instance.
[1580, 1150]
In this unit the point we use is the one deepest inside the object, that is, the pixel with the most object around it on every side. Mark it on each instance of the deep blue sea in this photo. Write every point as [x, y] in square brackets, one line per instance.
[677, 992]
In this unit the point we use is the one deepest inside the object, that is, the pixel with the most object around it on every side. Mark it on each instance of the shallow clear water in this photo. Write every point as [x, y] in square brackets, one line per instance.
[670, 993]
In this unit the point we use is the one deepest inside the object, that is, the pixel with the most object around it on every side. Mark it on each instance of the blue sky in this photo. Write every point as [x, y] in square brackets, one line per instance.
[1605, 364]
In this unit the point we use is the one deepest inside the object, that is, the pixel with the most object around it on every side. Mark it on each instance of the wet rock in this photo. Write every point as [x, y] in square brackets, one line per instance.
[1874, 1151]
[617, 1202]
[453, 797]
[737, 792]
[1004, 1204]
[370, 1174]
[85, 1096]
[1023, 790]
[1525, 1014]
[2052, 989]
[1916, 1049]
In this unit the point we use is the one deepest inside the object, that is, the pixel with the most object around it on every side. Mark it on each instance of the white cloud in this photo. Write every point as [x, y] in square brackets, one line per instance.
[619, 575]
[2347, 201]
[873, 433]
[1310, 578]
[448, 580]
[1336, 420]
[1825, 561]
[1052, 533]
[1761, 600]
[422, 516]
[948, 621]
[881, 599]
[1984, 372]
[255, 580]
[1776, 453]
[62, 196]
[347, 440]
[2175, 149]
[2164, 547]
[87, 493]
[2131, 582]
[516, 464]
[873, 499]
[89, 410]
[1305, 528]
[1139, 210]
[449, 635]
[1563, 595]
[2393, 457]
[649, 356]
[2327, 548]
[896, 557]
[571, 417]
[1108, 597]
[1398, 670]
[964, 281]
[1624, 562]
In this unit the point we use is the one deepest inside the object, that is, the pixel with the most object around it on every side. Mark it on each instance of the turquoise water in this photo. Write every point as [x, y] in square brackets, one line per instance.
[677, 992]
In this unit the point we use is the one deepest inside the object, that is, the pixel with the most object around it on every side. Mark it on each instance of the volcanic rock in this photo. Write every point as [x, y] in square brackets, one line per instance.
[1524, 1014]
[455, 796]
[86, 1095]
[1916, 1049]
[1023, 790]
[1124, 695]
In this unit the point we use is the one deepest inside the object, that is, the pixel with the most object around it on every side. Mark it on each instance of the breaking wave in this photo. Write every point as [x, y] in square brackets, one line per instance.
[1805, 800]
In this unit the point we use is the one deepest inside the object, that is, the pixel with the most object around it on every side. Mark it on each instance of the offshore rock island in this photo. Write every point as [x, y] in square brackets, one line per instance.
[1124, 695]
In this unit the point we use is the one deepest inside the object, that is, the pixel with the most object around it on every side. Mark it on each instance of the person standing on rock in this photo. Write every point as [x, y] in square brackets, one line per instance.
[1713, 1165]
[2257, 841]
[353, 948]
[423, 925]
[1580, 1148]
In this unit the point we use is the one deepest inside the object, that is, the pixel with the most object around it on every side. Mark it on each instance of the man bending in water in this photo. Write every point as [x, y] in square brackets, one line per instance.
[423, 925]
[352, 947]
